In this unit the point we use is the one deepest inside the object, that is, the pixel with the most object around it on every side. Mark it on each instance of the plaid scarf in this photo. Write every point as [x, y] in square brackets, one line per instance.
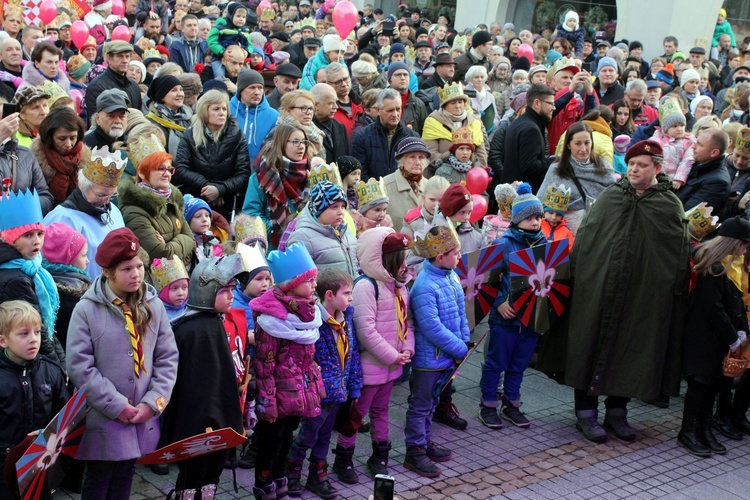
[283, 187]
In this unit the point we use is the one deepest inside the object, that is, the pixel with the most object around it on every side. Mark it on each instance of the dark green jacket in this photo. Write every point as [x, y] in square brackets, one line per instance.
[622, 333]
[146, 213]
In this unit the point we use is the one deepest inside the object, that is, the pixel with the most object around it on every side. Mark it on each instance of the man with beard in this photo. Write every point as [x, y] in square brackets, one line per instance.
[232, 60]
[153, 30]
[111, 119]
[117, 54]
[525, 152]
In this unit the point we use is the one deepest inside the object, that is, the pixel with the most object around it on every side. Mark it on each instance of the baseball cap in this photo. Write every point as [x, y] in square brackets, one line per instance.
[112, 100]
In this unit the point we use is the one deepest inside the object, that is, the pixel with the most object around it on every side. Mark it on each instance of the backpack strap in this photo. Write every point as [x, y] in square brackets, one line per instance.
[365, 277]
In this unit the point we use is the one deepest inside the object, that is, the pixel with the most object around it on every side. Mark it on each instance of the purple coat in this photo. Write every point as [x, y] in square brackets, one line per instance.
[100, 357]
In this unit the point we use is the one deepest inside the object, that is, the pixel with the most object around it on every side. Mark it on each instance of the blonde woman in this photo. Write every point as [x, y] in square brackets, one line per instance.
[298, 108]
[212, 161]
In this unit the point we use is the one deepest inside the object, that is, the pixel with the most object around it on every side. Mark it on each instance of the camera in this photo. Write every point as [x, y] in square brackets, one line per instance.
[383, 489]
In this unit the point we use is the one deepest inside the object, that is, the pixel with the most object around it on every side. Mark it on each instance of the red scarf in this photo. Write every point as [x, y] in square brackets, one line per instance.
[283, 187]
[66, 166]
[304, 308]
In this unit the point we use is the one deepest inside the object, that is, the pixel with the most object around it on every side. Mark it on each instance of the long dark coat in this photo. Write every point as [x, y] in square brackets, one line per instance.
[622, 334]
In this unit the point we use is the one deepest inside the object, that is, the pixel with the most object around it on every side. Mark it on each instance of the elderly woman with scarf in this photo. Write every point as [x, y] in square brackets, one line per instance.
[406, 185]
[298, 108]
[167, 109]
[277, 191]
[59, 148]
[454, 113]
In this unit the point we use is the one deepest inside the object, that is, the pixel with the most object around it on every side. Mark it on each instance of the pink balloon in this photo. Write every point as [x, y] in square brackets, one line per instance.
[527, 51]
[79, 33]
[330, 4]
[265, 4]
[345, 17]
[47, 11]
[121, 33]
[118, 8]
[480, 208]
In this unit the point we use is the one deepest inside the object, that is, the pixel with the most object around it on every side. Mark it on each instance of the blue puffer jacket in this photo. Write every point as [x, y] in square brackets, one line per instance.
[339, 383]
[319, 60]
[255, 122]
[437, 293]
[514, 240]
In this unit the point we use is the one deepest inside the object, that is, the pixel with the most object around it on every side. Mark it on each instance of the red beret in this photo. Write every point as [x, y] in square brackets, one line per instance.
[650, 148]
[118, 246]
[395, 242]
[454, 199]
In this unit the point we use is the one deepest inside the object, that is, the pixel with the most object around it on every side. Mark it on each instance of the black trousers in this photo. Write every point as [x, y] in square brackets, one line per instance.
[585, 402]
[200, 471]
[274, 442]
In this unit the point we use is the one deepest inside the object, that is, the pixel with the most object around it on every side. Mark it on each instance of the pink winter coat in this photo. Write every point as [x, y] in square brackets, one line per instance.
[376, 322]
[678, 155]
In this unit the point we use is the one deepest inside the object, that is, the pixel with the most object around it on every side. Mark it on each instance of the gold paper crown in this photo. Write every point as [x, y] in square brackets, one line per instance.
[268, 15]
[432, 245]
[450, 92]
[152, 53]
[166, 271]
[505, 194]
[372, 190]
[557, 199]
[307, 22]
[742, 142]
[700, 221]
[104, 168]
[459, 42]
[464, 135]
[324, 172]
[54, 91]
[252, 257]
[668, 107]
[411, 53]
[53, 24]
[139, 149]
[249, 229]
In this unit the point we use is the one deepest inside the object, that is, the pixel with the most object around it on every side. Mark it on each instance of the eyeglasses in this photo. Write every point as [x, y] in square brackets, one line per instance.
[304, 109]
[297, 143]
[551, 103]
[401, 74]
[346, 80]
[163, 170]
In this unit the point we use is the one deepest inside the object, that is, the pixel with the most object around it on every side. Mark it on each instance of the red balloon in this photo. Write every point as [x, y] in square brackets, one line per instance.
[47, 11]
[121, 33]
[527, 51]
[477, 180]
[79, 33]
[118, 8]
[345, 17]
[480, 208]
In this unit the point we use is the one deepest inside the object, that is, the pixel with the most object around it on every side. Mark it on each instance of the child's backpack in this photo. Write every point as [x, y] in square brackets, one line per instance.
[365, 277]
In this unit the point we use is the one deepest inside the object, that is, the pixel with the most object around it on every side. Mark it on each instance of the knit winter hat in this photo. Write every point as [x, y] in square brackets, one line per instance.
[323, 195]
[347, 165]
[480, 38]
[696, 102]
[621, 143]
[518, 102]
[454, 199]
[521, 63]
[666, 74]
[246, 78]
[141, 67]
[192, 205]
[363, 69]
[161, 86]
[393, 67]
[191, 85]
[62, 244]
[232, 9]
[526, 204]
[78, 66]
[333, 43]
[670, 114]
[607, 61]
[397, 48]
[687, 75]
[570, 15]
[553, 56]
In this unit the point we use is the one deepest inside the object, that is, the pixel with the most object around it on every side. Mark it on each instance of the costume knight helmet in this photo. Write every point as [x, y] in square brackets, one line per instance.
[210, 276]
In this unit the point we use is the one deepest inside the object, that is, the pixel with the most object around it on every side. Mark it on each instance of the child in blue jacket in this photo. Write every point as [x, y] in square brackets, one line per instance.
[510, 345]
[441, 334]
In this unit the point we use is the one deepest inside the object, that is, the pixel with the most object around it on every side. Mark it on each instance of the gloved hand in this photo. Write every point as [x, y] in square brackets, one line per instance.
[741, 339]
[7, 77]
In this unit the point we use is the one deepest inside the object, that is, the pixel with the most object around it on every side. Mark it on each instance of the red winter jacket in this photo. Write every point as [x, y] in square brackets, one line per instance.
[567, 111]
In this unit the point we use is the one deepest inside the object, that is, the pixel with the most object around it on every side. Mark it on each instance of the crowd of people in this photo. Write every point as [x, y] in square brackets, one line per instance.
[186, 221]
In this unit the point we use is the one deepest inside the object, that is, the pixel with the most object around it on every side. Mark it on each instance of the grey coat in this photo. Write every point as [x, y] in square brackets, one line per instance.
[592, 182]
[327, 249]
[28, 173]
[100, 356]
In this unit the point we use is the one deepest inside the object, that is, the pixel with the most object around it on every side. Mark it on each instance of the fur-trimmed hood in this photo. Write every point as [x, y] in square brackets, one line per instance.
[129, 193]
[33, 77]
[49, 172]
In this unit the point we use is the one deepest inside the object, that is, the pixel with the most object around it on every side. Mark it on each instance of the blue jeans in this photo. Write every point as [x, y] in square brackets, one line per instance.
[509, 351]
[315, 433]
[219, 72]
[418, 430]
[108, 480]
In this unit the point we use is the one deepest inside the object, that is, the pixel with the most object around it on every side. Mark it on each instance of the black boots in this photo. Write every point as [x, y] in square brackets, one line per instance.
[294, 478]
[707, 437]
[343, 465]
[417, 461]
[689, 437]
[615, 419]
[317, 481]
[378, 461]
[447, 413]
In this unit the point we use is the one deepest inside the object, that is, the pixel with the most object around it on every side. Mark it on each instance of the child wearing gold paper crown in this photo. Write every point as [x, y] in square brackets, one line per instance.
[555, 205]
[459, 161]
[495, 225]
[373, 204]
[171, 280]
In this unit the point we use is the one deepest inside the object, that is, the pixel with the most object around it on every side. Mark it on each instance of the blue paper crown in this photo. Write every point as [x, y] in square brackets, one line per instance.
[288, 265]
[20, 209]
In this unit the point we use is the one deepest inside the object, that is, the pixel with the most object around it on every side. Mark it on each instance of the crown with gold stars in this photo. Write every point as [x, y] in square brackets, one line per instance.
[450, 92]
[249, 229]
[385, 51]
[267, 15]
[325, 172]
[411, 53]
[700, 221]
[742, 142]
[556, 199]
[429, 245]
[143, 146]
[369, 192]
[166, 271]
[307, 22]
[104, 168]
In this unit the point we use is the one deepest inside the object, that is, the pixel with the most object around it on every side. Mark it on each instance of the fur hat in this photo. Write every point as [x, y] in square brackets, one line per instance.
[526, 204]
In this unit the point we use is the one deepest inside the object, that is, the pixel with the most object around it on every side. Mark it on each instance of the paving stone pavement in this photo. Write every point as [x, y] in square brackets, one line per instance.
[548, 460]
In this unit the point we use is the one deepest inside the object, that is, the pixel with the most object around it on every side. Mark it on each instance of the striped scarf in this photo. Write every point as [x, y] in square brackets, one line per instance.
[135, 338]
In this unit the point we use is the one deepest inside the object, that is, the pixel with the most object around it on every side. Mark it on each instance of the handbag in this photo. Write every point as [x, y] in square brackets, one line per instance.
[734, 365]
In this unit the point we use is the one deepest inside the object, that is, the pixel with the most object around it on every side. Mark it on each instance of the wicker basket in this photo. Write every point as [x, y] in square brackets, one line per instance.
[734, 365]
